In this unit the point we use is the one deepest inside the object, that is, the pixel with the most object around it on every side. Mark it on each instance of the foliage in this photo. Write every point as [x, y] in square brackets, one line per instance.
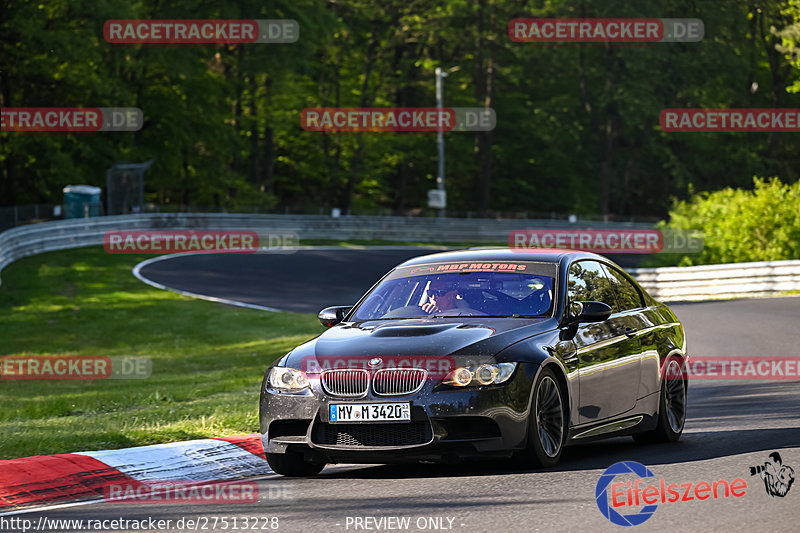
[743, 225]
[577, 122]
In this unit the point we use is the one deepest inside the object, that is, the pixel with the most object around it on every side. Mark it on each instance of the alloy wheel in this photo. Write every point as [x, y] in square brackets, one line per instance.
[675, 397]
[549, 416]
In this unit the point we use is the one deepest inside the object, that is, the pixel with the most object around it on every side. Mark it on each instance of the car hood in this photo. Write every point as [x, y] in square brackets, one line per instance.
[418, 337]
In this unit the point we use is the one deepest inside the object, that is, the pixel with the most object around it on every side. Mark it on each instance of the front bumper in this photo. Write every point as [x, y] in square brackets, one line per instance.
[447, 424]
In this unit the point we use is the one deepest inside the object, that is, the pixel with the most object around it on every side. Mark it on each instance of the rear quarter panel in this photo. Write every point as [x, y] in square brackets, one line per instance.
[664, 337]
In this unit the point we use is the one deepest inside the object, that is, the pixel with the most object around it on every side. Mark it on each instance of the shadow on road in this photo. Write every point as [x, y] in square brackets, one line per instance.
[725, 419]
[696, 446]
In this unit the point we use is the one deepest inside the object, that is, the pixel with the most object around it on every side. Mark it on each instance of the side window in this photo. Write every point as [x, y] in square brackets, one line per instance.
[587, 281]
[627, 295]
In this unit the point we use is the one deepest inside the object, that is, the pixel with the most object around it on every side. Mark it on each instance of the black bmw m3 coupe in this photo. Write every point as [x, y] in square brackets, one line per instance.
[484, 353]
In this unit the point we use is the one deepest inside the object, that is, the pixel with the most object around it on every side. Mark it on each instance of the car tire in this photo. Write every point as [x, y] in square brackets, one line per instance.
[671, 406]
[547, 424]
[292, 464]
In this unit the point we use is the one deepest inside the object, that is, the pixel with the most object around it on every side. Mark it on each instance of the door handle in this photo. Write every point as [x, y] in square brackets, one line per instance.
[630, 332]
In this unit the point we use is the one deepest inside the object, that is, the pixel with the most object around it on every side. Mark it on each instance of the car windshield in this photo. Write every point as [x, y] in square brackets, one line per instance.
[475, 289]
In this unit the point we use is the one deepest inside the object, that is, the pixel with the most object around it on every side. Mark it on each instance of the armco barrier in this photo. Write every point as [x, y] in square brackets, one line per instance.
[665, 284]
[32, 239]
[710, 282]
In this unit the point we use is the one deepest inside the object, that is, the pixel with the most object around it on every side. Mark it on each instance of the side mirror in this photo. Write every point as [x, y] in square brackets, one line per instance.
[580, 312]
[330, 316]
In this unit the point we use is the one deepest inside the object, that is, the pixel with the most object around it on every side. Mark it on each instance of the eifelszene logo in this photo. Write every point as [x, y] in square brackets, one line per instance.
[777, 477]
[601, 494]
[632, 494]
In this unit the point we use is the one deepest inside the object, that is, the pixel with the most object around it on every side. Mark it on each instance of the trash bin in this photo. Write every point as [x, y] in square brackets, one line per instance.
[81, 201]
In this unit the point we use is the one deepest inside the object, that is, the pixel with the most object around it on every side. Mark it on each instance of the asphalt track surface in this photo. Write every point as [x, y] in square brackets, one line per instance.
[302, 282]
[731, 425]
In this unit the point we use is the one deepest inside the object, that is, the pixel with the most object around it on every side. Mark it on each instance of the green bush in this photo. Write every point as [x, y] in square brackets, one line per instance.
[740, 225]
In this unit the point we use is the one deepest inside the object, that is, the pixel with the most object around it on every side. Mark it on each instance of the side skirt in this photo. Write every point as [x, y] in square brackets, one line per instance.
[611, 427]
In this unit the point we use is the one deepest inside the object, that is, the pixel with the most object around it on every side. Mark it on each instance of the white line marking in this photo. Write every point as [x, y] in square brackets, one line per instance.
[50, 507]
[140, 277]
[137, 271]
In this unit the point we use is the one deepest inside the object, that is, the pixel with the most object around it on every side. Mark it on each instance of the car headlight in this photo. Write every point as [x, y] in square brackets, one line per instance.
[482, 375]
[287, 379]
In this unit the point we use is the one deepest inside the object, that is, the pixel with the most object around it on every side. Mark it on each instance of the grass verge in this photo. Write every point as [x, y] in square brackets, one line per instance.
[207, 359]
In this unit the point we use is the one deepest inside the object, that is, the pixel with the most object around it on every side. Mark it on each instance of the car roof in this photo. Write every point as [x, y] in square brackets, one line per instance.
[542, 255]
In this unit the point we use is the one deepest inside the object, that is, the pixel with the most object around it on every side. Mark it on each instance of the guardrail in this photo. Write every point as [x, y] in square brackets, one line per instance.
[32, 239]
[710, 282]
[665, 284]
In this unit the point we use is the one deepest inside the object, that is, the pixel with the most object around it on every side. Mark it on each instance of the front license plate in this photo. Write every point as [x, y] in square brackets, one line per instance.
[370, 412]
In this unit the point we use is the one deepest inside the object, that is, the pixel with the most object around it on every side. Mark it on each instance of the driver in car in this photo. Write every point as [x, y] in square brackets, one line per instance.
[442, 296]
